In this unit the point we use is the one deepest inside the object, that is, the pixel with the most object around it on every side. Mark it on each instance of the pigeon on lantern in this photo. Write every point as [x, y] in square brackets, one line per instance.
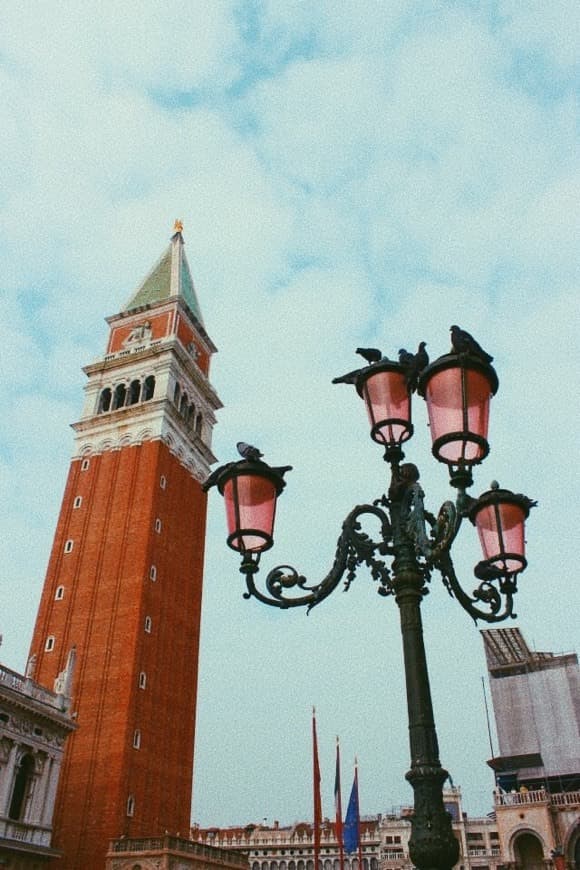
[463, 342]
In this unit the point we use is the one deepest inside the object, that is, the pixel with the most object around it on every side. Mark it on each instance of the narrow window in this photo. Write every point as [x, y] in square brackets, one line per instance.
[148, 624]
[183, 405]
[77, 502]
[158, 525]
[131, 805]
[104, 401]
[176, 395]
[142, 680]
[198, 424]
[69, 546]
[153, 572]
[163, 482]
[85, 464]
[136, 739]
[59, 594]
[134, 393]
[120, 396]
[148, 388]
[49, 645]
[21, 790]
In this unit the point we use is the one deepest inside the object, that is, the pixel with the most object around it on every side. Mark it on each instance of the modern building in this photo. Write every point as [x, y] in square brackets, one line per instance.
[124, 581]
[34, 726]
[536, 703]
[384, 842]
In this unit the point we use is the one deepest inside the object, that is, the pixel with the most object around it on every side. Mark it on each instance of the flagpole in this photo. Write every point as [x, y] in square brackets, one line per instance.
[338, 808]
[360, 862]
[316, 793]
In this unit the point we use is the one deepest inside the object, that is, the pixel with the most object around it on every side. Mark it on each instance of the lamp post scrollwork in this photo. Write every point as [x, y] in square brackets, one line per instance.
[409, 543]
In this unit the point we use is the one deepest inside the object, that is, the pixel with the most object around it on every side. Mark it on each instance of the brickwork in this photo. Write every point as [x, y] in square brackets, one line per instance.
[123, 586]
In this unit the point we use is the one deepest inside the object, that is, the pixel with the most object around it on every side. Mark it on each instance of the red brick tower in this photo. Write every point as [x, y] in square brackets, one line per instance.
[124, 581]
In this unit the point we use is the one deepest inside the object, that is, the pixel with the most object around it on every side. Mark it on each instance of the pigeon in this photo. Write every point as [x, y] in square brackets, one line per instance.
[246, 451]
[371, 354]
[463, 342]
[413, 364]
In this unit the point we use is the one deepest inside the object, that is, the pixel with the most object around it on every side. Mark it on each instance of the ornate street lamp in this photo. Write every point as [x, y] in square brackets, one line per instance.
[458, 388]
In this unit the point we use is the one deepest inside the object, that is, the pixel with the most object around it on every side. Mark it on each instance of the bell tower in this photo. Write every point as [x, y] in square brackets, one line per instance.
[124, 581]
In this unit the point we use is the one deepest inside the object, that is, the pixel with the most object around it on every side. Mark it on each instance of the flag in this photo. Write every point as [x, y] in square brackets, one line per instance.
[316, 792]
[352, 820]
[338, 808]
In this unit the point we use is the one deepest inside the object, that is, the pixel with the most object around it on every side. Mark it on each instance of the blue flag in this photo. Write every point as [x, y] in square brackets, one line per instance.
[352, 820]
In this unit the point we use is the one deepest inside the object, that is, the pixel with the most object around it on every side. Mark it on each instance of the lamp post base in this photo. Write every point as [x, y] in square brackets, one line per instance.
[433, 845]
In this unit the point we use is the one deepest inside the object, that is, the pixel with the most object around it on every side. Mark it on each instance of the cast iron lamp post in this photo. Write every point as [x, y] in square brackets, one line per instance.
[457, 388]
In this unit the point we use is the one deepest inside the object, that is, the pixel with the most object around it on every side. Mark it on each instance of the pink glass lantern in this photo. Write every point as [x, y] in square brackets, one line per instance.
[499, 516]
[388, 402]
[250, 489]
[458, 389]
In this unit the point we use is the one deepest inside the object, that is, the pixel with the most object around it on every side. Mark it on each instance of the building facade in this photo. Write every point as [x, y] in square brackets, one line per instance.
[34, 726]
[171, 853]
[384, 842]
[536, 704]
[124, 581]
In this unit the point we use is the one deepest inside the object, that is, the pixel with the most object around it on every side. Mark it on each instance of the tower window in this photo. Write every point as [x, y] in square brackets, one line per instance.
[148, 388]
[148, 624]
[163, 482]
[69, 546]
[120, 396]
[85, 464]
[131, 805]
[142, 680]
[49, 645]
[136, 739]
[198, 424]
[78, 501]
[153, 572]
[104, 401]
[134, 392]
[176, 395]
[59, 594]
[183, 405]
[158, 525]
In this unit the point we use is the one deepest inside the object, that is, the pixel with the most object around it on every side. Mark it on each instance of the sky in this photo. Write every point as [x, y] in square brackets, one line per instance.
[356, 174]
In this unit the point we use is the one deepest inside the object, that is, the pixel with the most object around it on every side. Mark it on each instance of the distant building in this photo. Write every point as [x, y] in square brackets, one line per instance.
[171, 853]
[34, 726]
[536, 703]
[384, 840]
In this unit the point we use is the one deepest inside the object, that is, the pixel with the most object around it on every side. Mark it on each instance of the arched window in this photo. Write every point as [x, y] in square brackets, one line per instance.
[134, 392]
[198, 424]
[148, 388]
[528, 851]
[190, 416]
[131, 805]
[120, 396]
[148, 624]
[104, 401]
[183, 405]
[176, 395]
[77, 502]
[59, 594]
[21, 790]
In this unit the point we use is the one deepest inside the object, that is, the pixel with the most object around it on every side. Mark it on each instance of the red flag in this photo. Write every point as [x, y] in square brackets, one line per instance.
[338, 808]
[316, 792]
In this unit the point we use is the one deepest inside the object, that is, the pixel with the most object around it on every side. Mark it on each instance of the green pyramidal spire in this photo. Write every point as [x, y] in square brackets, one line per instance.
[169, 277]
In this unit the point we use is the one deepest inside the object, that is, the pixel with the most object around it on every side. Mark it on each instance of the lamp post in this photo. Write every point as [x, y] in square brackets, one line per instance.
[457, 388]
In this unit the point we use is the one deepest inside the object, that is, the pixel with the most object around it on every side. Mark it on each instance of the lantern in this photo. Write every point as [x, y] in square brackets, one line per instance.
[250, 489]
[385, 391]
[499, 516]
[458, 389]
